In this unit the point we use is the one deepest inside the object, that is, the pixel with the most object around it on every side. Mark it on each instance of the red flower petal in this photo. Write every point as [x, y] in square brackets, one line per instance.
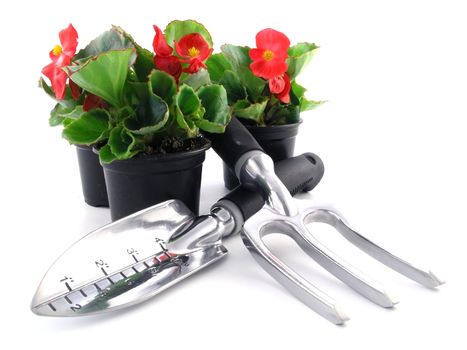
[160, 45]
[92, 101]
[53, 56]
[277, 84]
[75, 90]
[58, 79]
[69, 40]
[61, 60]
[192, 46]
[256, 54]
[284, 96]
[203, 56]
[268, 69]
[170, 64]
[270, 39]
[194, 66]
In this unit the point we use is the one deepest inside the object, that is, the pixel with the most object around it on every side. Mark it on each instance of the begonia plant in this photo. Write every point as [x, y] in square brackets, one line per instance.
[261, 82]
[127, 100]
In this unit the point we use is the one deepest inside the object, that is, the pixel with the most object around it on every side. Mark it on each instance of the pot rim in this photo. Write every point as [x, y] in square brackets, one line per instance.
[86, 147]
[275, 126]
[274, 132]
[161, 156]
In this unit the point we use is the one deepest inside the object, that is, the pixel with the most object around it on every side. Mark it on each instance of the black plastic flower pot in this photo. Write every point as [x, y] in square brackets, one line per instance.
[278, 141]
[140, 182]
[92, 177]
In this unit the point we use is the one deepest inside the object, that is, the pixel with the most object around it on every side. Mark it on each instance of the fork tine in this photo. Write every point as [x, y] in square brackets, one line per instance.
[341, 269]
[301, 288]
[426, 278]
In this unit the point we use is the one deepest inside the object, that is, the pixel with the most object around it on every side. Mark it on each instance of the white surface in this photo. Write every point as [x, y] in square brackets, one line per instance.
[392, 137]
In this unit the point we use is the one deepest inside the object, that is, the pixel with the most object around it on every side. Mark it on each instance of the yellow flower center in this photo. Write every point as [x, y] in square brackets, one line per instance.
[193, 52]
[57, 50]
[268, 55]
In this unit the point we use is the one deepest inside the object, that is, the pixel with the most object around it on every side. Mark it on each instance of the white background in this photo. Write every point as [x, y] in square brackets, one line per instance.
[392, 137]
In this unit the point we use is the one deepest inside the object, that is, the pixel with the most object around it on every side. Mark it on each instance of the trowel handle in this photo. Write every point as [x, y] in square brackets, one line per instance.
[297, 173]
[233, 143]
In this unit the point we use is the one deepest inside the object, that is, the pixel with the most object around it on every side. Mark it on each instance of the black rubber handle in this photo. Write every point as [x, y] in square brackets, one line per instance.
[233, 143]
[299, 173]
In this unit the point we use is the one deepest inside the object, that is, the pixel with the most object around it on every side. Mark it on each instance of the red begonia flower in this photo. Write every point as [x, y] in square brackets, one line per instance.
[61, 56]
[193, 49]
[159, 44]
[164, 59]
[169, 64]
[280, 87]
[92, 101]
[269, 58]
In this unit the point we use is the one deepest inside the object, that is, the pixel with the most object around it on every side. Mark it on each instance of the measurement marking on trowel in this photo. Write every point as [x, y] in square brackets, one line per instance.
[106, 274]
[138, 268]
[134, 257]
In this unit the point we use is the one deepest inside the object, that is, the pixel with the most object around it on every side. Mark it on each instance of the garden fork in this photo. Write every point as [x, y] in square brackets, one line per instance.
[286, 215]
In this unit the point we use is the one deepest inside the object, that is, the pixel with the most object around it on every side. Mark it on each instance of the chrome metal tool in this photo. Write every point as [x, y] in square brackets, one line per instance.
[285, 215]
[290, 216]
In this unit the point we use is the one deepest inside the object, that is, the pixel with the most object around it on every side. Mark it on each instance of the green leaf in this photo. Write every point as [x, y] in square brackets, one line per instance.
[251, 111]
[299, 57]
[177, 29]
[253, 84]
[187, 100]
[122, 143]
[105, 75]
[163, 85]
[240, 60]
[236, 55]
[150, 119]
[59, 114]
[281, 114]
[308, 105]
[297, 89]
[106, 155]
[217, 113]
[198, 79]
[188, 109]
[301, 49]
[108, 41]
[217, 64]
[187, 125]
[124, 113]
[298, 98]
[144, 63]
[233, 86]
[67, 122]
[140, 92]
[67, 102]
[91, 127]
